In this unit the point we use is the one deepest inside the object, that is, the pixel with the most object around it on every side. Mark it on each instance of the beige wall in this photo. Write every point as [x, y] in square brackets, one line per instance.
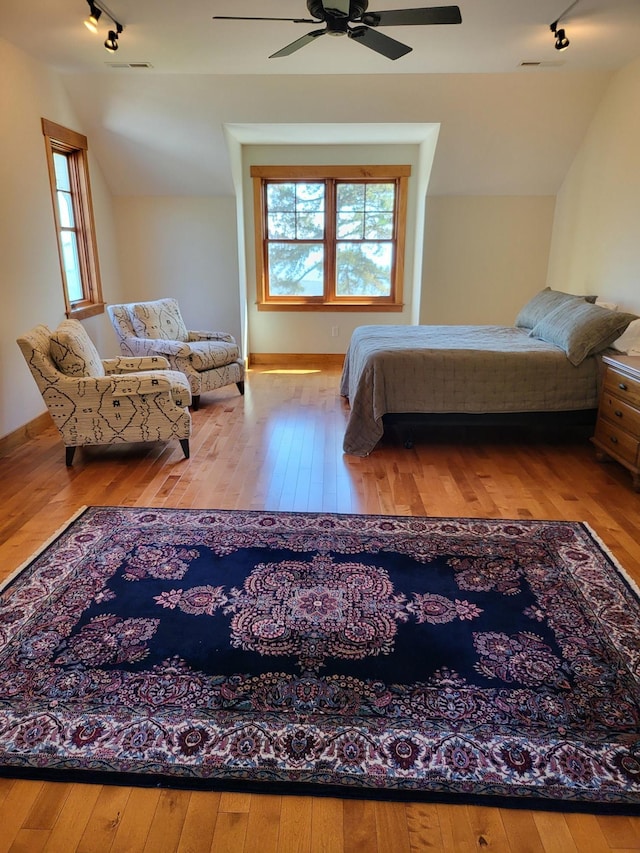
[30, 270]
[484, 256]
[596, 238]
[185, 248]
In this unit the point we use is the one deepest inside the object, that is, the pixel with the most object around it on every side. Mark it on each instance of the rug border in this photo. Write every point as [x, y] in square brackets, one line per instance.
[633, 585]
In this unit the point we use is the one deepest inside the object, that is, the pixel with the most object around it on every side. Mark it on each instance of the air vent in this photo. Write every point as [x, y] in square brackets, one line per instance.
[129, 65]
[536, 63]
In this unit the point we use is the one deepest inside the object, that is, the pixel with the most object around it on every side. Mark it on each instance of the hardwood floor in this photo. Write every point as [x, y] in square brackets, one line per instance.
[279, 448]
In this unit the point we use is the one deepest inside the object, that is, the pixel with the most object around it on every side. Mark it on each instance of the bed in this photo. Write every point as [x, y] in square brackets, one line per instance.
[548, 362]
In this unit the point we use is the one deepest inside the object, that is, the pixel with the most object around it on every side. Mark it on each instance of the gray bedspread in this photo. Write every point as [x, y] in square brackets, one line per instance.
[470, 369]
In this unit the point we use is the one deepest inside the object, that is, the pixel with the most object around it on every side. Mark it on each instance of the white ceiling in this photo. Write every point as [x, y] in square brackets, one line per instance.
[180, 37]
[505, 129]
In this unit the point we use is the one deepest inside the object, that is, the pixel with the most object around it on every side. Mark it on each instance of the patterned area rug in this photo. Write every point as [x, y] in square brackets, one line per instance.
[466, 660]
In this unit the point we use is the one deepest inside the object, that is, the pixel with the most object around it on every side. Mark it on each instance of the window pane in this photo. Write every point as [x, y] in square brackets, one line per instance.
[378, 226]
[310, 226]
[61, 168]
[310, 197]
[296, 269]
[71, 265]
[281, 197]
[379, 197]
[364, 269]
[65, 209]
[350, 197]
[282, 225]
[351, 226]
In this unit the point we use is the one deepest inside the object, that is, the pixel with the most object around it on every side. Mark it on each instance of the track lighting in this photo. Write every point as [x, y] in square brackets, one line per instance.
[111, 42]
[91, 23]
[562, 42]
[96, 9]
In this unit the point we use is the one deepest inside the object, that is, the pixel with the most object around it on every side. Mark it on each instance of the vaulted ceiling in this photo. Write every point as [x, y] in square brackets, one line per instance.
[159, 129]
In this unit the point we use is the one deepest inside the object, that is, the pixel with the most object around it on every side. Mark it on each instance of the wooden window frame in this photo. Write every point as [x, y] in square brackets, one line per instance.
[61, 140]
[262, 175]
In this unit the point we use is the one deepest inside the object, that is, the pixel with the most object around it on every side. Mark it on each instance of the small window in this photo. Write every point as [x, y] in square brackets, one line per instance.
[330, 238]
[73, 215]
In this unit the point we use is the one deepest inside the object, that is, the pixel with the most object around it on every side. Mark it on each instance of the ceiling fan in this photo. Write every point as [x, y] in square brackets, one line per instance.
[337, 15]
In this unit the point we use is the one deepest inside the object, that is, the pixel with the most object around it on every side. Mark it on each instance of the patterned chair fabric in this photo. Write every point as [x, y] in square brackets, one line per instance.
[105, 401]
[209, 360]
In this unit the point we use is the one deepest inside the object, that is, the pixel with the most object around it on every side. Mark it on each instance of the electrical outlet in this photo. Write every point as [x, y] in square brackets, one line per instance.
[335, 331]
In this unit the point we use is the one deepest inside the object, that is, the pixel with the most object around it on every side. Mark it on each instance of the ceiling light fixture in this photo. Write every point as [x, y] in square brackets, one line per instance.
[91, 23]
[562, 42]
[96, 10]
[111, 42]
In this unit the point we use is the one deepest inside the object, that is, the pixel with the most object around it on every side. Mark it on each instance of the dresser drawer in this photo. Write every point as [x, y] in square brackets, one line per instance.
[622, 386]
[620, 414]
[616, 441]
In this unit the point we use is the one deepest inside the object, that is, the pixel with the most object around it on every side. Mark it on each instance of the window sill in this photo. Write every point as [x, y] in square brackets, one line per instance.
[83, 311]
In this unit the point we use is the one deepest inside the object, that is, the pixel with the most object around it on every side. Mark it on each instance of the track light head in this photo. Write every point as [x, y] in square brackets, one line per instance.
[111, 42]
[562, 42]
[91, 23]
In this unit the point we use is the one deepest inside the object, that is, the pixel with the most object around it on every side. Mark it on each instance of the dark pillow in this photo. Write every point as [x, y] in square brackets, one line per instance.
[544, 302]
[581, 329]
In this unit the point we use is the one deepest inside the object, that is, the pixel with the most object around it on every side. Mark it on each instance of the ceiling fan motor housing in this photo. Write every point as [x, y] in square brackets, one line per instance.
[318, 10]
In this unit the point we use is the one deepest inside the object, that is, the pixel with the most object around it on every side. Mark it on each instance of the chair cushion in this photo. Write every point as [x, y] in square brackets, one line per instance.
[159, 320]
[206, 355]
[73, 350]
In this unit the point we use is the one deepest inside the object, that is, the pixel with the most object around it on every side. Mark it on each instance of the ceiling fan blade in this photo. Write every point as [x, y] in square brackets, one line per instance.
[293, 20]
[298, 43]
[337, 7]
[385, 45]
[413, 17]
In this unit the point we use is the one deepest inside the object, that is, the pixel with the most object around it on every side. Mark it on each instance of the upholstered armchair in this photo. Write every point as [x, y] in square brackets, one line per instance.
[209, 360]
[105, 401]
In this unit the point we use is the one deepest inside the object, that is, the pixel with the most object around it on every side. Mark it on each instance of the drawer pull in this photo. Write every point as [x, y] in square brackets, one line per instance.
[623, 386]
[613, 439]
[618, 413]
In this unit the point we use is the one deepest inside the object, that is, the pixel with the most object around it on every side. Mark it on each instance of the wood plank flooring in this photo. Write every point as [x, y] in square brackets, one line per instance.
[280, 448]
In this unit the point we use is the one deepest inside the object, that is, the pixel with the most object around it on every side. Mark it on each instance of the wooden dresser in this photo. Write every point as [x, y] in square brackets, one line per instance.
[618, 426]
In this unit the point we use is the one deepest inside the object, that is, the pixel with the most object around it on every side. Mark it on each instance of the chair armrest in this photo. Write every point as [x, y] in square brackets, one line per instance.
[134, 364]
[211, 336]
[150, 382]
[136, 384]
[132, 385]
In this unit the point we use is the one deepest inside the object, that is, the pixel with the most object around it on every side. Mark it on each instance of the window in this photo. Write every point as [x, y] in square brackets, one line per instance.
[73, 214]
[330, 238]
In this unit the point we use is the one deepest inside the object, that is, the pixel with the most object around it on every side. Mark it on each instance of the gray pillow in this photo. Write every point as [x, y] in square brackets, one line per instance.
[547, 300]
[581, 329]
